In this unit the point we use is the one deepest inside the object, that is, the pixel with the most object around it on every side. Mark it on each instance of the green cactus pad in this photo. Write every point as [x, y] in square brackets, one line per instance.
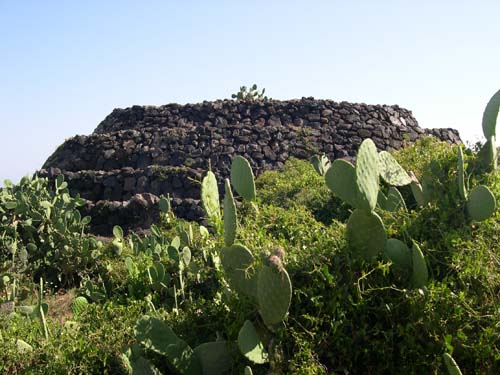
[366, 234]
[451, 365]
[214, 358]
[488, 154]
[79, 305]
[420, 273]
[248, 371]
[391, 171]
[155, 335]
[237, 262]
[320, 164]
[398, 253]
[367, 175]
[164, 204]
[490, 116]
[274, 294]
[461, 174]
[230, 215]
[250, 344]
[242, 178]
[210, 197]
[393, 202]
[481, 203]
[341, 179]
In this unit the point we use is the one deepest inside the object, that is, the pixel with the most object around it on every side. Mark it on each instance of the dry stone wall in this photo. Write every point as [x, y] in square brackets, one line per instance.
[139, 153]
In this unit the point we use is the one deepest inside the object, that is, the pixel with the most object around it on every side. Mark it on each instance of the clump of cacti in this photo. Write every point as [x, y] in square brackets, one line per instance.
[211, 358]
[250, 94]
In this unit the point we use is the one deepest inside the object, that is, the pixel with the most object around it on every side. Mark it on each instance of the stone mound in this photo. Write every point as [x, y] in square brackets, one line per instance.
[139, 153]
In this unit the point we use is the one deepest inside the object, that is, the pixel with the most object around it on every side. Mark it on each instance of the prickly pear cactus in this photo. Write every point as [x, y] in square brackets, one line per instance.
[490, 116]
[237, 262]
[320, 164]
[366, 234]
[451, 365]
[340, 178]
[210, 198]
[392, 202]
[420, 274]
[251, 345]
[79, 305]
[242, 178]
[367, 175]
[461, 174]
[398, 253]
[417, 190]
[164, 204]
[248, 371]
[481, 203]
[274, 294]
[230, 216]
[391, 171]
[155, 335]
[214, 358]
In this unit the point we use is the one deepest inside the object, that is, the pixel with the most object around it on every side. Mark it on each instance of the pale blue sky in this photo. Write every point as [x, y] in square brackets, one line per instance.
[64, 65]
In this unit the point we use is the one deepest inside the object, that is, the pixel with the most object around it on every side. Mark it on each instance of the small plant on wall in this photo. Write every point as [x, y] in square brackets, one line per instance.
[251, 94]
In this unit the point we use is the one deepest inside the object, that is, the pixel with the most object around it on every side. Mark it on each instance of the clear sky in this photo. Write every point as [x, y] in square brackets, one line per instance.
[64, 65]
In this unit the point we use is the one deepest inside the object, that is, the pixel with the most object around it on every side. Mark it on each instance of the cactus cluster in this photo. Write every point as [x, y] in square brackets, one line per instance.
[359, 187]
[211, 358]
[251, 94]
[480, 203]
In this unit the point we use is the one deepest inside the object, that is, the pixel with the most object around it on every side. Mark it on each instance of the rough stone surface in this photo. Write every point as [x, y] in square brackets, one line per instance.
[138, 153]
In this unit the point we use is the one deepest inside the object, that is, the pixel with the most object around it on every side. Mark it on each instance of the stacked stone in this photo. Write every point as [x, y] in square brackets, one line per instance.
[143, 152]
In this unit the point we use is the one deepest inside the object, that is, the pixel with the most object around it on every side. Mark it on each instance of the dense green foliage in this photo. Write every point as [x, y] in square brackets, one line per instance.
[347, 315]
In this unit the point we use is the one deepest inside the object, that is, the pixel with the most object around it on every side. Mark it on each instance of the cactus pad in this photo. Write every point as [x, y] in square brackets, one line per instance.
[242, 178]
[391, 171]
[451, 365]
[230, 216]
[214, 358]
[155, 335]
[490, 116]
[250, 344]
[481, 203]
[366, 233]
[237, 262]
[274, 294]
[398, 253]
[367, 175]
[320, 164]
[394, 200]
[210, 197]
[341, 179]
[79, 305]
[461, 174]
[420, 274]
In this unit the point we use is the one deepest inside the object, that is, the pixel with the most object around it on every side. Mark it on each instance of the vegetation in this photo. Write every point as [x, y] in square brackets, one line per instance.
[322, 268]
[250, 94]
